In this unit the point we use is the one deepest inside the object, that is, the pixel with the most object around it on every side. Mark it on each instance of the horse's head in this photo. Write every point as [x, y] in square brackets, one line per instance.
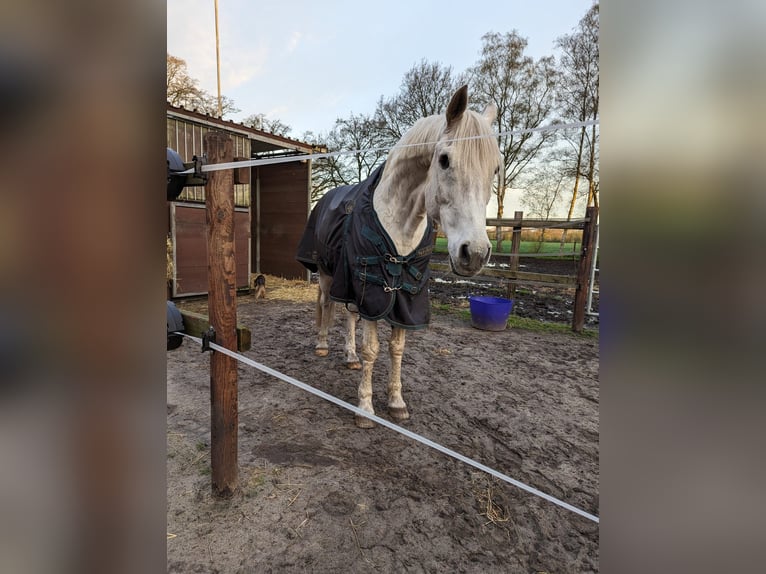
[461, 175]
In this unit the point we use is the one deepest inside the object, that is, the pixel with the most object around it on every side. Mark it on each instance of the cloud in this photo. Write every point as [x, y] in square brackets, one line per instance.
[242, 66]
[278, 112]
[295, 39]
[242, 59]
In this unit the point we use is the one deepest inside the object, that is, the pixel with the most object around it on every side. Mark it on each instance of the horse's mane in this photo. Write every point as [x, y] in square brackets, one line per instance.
[419, 141]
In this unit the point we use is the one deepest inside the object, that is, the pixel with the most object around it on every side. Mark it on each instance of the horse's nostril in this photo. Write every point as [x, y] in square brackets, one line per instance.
[488, 254]
[465, 256]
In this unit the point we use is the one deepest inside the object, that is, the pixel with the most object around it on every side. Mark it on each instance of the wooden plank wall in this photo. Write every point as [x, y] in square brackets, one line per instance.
[190, 239]
[284, 207]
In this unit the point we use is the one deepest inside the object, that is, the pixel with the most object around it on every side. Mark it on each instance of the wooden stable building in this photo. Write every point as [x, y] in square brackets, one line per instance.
[271, 204]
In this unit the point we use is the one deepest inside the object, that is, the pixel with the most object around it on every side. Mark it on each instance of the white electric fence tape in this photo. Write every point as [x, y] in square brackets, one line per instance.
[397, 428]
[302, 157]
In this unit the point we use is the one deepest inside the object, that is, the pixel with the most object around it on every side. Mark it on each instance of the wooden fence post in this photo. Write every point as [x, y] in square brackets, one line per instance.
[222, 309]
[515, 247]
[583, 269]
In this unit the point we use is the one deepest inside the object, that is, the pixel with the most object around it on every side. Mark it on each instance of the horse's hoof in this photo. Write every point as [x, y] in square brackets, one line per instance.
[398, 413]
[354, 365]
[321, 352]
[363, 422]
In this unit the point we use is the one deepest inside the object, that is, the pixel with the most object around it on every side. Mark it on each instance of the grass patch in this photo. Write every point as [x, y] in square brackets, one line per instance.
[515, 322]
[447, 309]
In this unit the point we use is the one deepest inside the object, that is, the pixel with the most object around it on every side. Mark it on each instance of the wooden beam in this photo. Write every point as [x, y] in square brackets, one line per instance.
[196, 324]
[569, 281]
[222, 306]
[569, 256]
[536, 223]
[515, 248]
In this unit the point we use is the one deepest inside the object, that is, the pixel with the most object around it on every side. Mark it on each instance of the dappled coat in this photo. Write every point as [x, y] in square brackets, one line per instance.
[344, 238]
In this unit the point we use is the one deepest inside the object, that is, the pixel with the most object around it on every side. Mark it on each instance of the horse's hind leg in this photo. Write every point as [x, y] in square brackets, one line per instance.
[370, 348]
[352, 361]
[397, 409]
[325, 315]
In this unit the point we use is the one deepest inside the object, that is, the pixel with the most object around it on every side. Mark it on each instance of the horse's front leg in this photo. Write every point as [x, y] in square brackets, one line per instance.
[397, 409]
[352, 361]
[370, 348]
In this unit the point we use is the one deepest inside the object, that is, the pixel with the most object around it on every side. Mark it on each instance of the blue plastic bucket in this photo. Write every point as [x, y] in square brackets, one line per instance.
[490, 313]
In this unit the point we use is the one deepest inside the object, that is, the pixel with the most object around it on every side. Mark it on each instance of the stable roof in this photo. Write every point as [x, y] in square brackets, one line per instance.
[262, 143]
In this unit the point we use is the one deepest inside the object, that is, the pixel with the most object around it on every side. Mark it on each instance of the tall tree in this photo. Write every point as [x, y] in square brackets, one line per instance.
[523, 91]
[184, 91]
[425, 90]
[578, 100]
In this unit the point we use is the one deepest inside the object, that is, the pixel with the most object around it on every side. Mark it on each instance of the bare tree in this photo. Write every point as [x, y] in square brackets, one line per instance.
[425, 90]
[523, 91]
[261, 122]
[184, 91]
[578, 100]
[543, 186]
[356, 132]
[210, 106]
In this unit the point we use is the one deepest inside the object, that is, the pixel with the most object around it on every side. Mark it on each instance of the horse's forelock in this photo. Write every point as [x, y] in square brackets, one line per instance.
[479, 152]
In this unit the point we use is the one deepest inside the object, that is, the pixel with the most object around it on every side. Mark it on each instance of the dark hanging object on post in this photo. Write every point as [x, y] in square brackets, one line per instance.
[175, 326]
[181, 174]
[176, 181]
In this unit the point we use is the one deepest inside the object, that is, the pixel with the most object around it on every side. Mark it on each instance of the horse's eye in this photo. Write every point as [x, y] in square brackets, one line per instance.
[497, 170]
[444, 161]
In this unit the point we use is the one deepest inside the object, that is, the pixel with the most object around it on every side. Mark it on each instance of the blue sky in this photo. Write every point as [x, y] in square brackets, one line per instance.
[308, 63]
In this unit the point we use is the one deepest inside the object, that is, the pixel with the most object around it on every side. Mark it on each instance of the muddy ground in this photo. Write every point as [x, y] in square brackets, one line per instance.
[319, 495]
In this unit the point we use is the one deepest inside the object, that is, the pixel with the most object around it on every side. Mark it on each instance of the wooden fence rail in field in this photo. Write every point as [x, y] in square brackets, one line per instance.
[516, 277]
[512, 276]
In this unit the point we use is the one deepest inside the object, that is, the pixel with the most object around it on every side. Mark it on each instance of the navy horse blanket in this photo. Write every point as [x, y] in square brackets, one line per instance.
[344, 238]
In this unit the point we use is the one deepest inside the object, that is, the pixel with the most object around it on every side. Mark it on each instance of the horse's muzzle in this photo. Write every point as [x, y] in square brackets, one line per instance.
[469, 261]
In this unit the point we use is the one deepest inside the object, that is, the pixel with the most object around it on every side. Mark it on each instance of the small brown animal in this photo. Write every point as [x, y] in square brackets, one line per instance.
[260, 287]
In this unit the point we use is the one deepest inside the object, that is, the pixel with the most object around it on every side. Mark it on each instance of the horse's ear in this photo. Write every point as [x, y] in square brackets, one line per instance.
[457, 105]
[490, 112]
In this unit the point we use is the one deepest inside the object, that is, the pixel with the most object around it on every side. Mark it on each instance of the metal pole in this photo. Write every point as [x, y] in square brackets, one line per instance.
[591, 288]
